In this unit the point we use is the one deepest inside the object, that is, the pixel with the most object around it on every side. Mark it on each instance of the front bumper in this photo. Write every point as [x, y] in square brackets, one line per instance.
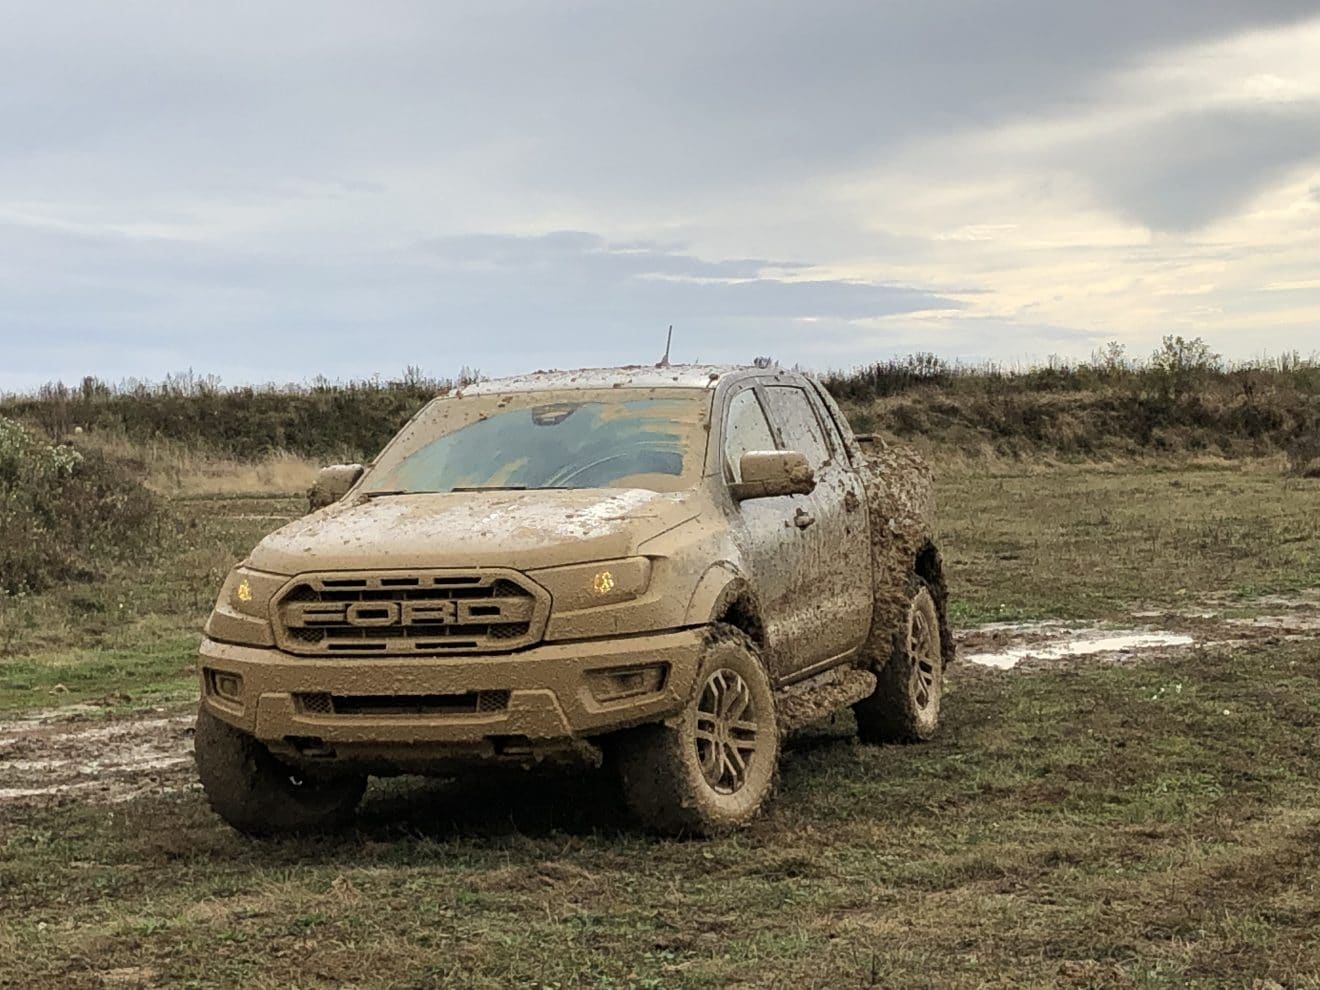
[551, 698]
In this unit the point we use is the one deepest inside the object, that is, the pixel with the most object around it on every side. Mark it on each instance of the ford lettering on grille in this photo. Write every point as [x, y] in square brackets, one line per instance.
[435, 612]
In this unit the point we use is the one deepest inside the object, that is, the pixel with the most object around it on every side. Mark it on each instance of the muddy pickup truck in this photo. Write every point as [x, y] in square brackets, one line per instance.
[661, 570]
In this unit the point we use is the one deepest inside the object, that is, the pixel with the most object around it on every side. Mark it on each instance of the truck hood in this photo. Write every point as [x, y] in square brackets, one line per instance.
[523, 530]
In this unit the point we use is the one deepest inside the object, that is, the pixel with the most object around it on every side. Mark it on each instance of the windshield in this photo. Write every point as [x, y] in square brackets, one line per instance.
[612, 438]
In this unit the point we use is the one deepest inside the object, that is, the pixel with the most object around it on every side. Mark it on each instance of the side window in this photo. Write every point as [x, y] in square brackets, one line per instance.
[745, 429]
[826, 414]
[791, 409]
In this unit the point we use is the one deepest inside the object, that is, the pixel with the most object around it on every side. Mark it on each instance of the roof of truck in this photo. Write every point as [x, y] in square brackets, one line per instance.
[633, 376]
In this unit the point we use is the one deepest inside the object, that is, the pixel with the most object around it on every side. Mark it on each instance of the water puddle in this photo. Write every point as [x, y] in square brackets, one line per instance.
[1053, 641]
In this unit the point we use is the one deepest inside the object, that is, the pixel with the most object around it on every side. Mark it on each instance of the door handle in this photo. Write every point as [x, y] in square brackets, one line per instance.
[803, 519]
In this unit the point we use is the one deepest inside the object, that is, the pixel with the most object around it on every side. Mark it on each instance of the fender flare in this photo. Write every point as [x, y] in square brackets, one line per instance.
[719, 587]
[711, 591]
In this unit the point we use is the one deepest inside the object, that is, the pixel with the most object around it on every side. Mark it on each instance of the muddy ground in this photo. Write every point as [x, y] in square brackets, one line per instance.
[80, 754]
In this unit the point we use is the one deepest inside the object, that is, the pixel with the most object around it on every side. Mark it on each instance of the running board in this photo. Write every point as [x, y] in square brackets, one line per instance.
[820, 697]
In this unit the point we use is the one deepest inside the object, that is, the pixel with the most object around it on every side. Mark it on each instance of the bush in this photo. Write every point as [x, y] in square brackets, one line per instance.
[323, 420]
[66, 514]
[1181, 398]
[1179, 366]
[1184, 398]
[1304, 456]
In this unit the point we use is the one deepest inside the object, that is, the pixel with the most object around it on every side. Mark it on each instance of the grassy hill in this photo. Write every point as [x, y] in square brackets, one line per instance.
[1183, 399]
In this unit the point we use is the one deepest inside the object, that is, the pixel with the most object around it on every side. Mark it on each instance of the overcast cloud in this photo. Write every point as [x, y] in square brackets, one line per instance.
[278, 190]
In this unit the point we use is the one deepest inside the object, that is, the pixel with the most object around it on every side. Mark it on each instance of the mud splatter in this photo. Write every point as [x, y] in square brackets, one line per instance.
[900, 499]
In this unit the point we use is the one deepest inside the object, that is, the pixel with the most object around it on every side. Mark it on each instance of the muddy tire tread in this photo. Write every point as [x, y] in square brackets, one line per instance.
[888, 715]
[659, 784]
[250, 789]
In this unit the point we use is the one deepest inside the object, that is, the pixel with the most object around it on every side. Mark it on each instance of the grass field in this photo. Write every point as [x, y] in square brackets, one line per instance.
[1148, 823]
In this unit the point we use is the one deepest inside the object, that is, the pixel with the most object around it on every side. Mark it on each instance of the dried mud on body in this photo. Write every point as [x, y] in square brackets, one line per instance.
[78, 755]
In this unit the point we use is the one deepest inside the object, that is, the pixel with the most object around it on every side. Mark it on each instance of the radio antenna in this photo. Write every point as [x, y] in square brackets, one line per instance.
[664, 361]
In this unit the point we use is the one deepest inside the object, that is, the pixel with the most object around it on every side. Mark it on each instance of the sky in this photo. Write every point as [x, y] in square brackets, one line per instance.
[267, 192]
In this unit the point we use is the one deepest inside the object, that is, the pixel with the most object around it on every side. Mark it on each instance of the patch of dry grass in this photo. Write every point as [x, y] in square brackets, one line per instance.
[174, 468]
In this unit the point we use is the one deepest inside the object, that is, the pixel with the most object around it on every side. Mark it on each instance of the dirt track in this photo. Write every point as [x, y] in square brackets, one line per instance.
[77, 754]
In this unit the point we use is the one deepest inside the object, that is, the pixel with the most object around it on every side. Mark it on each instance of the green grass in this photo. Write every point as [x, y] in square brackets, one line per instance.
[1079, 827]
[1091, 542]
[150, 674]
[1152, 824]
[131, 637]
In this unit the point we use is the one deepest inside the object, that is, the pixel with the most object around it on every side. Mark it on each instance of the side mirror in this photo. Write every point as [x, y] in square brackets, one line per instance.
[767, 473]
[332, 484]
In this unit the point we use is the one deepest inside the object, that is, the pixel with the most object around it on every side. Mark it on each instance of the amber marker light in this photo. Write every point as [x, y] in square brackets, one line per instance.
[597, 584]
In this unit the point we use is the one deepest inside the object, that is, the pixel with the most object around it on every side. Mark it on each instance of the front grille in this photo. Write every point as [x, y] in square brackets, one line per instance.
[471, 703]
[316, 704]
[390, 614]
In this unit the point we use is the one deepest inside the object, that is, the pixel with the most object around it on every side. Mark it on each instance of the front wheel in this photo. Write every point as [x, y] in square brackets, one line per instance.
[713, 767]
[257, 794]
[905, 706]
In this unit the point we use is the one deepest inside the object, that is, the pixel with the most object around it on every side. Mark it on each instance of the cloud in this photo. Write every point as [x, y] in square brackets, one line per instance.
[1183, 173]
[615, 260]
[282, 190]
[481, 300]
[581, 102]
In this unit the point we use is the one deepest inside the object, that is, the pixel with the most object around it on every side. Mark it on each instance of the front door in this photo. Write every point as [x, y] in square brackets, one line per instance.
[782, 546]
[837, 541]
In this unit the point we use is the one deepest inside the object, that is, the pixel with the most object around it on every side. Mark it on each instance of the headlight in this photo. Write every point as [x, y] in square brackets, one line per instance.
[249, 592]
[606, 582]
[242, 612]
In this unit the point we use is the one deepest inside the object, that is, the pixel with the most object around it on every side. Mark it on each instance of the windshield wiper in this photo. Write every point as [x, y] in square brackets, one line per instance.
[508, 488]
[465, 488]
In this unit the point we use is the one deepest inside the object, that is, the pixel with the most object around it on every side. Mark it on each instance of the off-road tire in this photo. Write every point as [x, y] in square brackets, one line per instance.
[258, 795]
[666, 770]
[905, 707]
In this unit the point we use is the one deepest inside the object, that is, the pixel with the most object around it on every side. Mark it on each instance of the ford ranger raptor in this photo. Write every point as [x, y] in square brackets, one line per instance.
[664, 570]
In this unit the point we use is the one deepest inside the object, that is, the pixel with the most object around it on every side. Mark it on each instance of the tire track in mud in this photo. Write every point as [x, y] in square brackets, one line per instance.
[52, 756]
[80, 755]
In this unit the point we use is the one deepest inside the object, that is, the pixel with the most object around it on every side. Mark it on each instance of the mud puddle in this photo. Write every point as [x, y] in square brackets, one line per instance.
[1055, 642]
[1272, 618]
[103, 760]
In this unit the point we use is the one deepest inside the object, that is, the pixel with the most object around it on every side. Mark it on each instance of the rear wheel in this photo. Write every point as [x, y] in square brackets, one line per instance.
[909, 687]
[259, 795]
[713, 767]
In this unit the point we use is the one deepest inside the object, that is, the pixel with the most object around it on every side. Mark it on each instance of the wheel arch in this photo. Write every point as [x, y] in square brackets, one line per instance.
[723, 595]
[929, 566]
